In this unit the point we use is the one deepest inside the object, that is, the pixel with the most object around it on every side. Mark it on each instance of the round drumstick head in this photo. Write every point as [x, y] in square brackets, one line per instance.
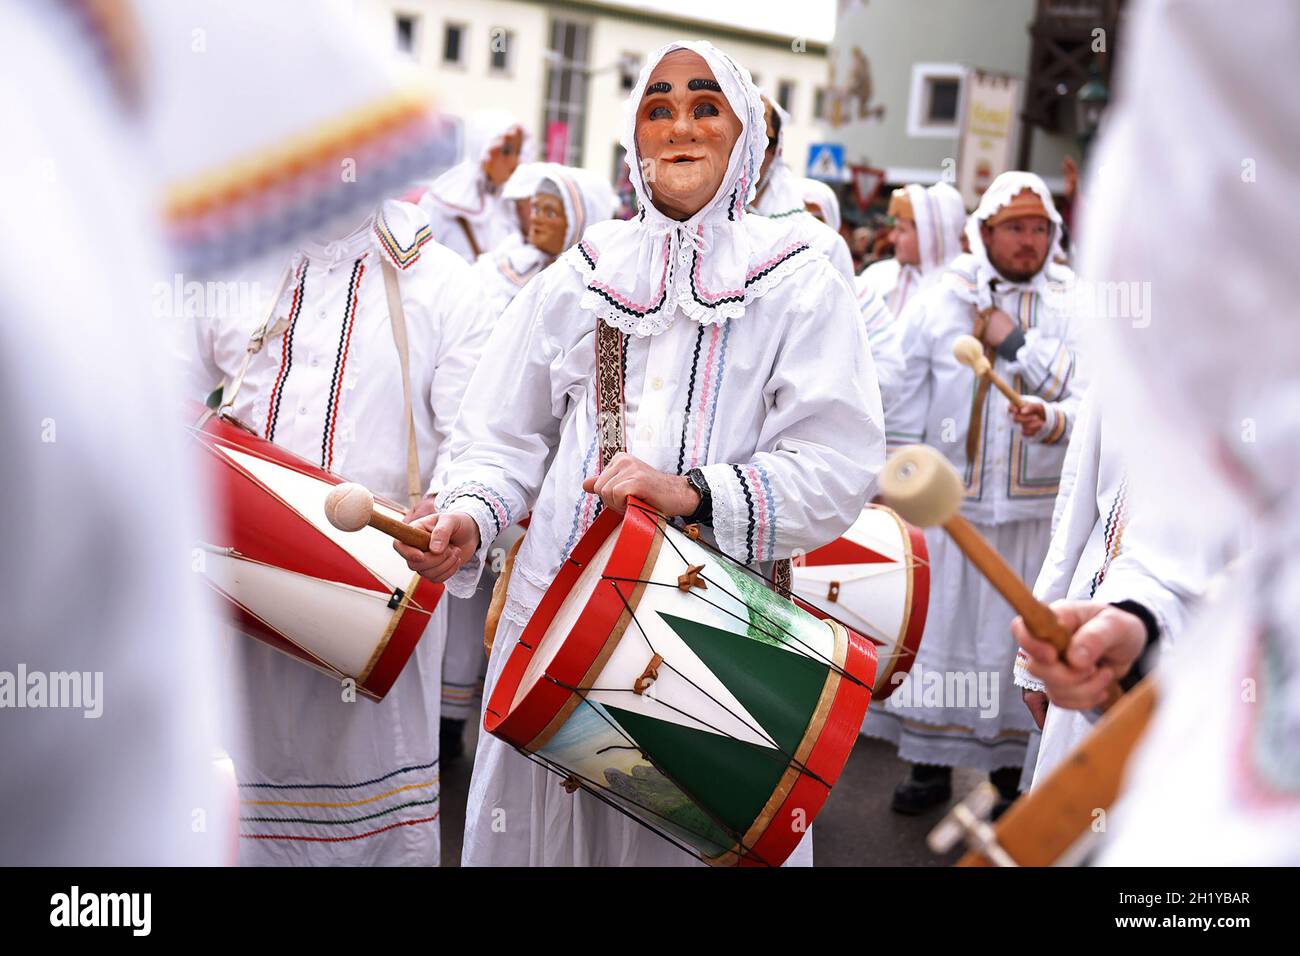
[921, 486]
[348, 506]
[969, 352]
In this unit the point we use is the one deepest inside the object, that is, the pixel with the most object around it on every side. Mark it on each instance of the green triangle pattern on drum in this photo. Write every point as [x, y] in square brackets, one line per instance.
[733, 779]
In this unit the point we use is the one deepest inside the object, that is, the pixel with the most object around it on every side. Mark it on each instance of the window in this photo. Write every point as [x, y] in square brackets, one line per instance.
[453, 44]
[629, 67]
[785, 94]
[934, 109]
[500, 47]
[565, 120]
[406, 26]
[941, 100]
[819, 103]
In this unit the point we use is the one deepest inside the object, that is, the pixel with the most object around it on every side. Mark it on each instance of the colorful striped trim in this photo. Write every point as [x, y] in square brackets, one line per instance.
[1058, 430]
[1113, 533]
[342, 839]
[248, 205]
[341, 804]
[710, 300]
[615, 298]
[339, 786]
[702, 409]
[286, 354]
[496, 504]
[340, 364]
[339, 823]
[760, 508]
[582, 517]
[402, 257]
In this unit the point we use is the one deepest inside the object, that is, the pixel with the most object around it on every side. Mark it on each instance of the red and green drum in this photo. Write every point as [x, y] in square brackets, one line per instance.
[665, 678]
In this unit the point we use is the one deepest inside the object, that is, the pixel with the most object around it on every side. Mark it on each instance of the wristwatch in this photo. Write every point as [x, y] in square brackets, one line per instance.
[703, 513]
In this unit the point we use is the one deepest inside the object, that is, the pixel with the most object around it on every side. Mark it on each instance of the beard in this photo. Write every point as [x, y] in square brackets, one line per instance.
[1017, 270]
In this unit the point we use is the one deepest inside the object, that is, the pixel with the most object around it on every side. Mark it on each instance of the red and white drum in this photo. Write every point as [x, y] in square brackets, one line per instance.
[666, 679]
[876, 579]
[343, 602]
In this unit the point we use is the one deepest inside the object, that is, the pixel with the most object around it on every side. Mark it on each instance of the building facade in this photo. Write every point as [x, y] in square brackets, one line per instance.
[565, 67]
[898, 68]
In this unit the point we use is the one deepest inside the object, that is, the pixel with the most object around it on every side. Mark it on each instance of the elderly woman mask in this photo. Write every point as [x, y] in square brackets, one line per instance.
[685, 133]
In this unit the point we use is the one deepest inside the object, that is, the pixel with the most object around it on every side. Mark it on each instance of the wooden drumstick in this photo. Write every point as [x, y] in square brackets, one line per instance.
[350, 507]
[968, 350]
[925, 490]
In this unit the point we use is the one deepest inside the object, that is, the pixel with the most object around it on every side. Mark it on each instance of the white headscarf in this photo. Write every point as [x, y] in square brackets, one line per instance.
[1000, 192]
[823, 197]
[587, 199]
[639, 271]
[462, 190]
[780, 192]
[940, 216]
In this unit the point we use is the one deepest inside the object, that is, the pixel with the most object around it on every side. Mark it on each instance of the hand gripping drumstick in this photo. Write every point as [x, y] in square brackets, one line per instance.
[968, 350]
[350, 507]
[925, 490]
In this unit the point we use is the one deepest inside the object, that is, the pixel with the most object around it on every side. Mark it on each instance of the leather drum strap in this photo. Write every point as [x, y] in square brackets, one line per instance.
[469, 235]
[397, 319]
[256, 341]
[611, 420]
[611, 424]
[976, 416]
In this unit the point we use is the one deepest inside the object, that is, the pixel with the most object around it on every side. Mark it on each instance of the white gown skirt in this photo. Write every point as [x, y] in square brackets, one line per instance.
[959, 706]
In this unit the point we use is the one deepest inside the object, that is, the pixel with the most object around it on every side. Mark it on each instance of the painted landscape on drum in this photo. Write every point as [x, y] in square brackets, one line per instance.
[593, 746]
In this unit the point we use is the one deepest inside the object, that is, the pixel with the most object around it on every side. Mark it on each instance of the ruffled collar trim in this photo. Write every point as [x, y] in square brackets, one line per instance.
[680, 270]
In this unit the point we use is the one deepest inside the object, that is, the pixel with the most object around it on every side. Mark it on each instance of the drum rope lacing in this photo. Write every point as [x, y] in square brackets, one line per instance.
[776, 585]
[571, 779]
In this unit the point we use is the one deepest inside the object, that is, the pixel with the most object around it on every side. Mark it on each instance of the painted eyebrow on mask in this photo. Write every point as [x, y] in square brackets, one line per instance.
[704, 85]
[661, 87]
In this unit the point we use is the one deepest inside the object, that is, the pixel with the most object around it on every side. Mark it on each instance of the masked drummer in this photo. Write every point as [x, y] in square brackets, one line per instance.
[1010, 294]
[328, 778]
[467, 211]
[563, 201]
[733, 417]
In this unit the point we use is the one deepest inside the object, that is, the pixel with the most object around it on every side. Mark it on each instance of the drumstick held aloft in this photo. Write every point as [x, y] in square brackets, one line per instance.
[921, 485]
[968, 350]
[350, 507]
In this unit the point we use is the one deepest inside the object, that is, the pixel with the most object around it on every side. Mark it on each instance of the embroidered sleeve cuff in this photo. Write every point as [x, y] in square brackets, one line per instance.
[744, 510]
[491, 515]
[1022, 676]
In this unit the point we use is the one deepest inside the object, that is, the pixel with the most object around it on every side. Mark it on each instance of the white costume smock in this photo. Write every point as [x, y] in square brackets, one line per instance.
[1010, 484]
[325, 780]
[717, 313]
[496, 279]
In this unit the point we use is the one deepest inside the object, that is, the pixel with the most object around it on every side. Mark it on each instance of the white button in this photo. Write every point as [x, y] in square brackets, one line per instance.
[657, 384]
[315, 360]
[321, 313]
[647, 433]
[302, 409]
